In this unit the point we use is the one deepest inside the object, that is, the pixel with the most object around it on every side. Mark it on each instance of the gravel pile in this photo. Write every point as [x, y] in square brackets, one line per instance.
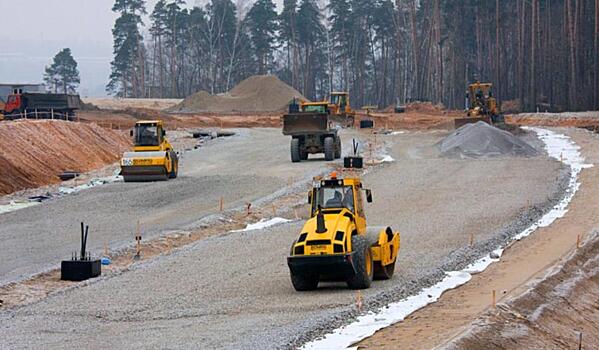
[482, 140]
[259, 93]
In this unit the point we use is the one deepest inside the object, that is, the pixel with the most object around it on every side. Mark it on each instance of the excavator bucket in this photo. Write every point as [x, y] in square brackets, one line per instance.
[145, 166]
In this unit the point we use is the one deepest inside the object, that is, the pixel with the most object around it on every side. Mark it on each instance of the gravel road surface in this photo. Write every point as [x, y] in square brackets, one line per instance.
[233, 290]
[237, 168]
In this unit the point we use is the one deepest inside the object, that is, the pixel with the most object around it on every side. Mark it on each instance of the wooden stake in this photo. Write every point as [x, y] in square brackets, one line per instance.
[359, 300]
[221, 204]
[494, 299]
[105, 249]
[471, 239]
[249, 207]
[274, 210]
[295, 213]
[578, 241]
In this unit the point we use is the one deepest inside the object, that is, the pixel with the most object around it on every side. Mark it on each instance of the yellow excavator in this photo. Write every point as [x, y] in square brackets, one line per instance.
[153, 157]
[335, 244]
[481, 106]
[337, 106]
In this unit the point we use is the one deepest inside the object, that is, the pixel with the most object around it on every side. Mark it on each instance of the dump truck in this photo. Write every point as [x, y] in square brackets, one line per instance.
[481, 106]
[336, 244]
[153, 157]
[21, 104]
[311, 131]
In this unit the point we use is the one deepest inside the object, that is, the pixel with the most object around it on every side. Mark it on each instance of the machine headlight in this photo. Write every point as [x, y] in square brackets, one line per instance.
[127, 162]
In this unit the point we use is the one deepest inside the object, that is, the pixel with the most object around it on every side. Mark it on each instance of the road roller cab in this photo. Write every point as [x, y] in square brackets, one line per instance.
[153, 157]
[335, 244]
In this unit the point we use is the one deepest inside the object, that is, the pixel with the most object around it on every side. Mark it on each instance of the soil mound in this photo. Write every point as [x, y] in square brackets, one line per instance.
[259, 93]
[481, 140]
[34, 152]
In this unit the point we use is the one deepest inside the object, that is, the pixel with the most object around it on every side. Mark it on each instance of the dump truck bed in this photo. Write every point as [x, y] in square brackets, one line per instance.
[305, 123]
[51, 101]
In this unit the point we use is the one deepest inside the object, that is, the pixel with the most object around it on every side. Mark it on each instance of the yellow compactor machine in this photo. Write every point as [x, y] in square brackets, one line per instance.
[153, 157]
[335, 244]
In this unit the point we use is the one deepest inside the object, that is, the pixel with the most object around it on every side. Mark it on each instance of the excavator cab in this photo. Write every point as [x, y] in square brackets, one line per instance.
[341, 102]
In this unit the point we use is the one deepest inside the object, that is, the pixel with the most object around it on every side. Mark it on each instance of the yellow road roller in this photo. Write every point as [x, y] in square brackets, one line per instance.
[153, 157]
[335, 244]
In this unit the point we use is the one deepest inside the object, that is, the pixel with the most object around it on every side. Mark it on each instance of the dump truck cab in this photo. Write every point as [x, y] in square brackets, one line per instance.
[335, 244]
[153, 157]
[13, 102]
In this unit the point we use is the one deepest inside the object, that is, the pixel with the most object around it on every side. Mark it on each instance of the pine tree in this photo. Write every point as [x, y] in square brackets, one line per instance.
[311, 40]
[63, 72]
[158, 30]
[128, 66]
[288, 36]
[262, 25]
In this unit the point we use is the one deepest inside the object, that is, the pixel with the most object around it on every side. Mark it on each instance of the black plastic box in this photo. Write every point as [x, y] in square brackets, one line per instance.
[79, 270]
[353, 162]
[366, 124]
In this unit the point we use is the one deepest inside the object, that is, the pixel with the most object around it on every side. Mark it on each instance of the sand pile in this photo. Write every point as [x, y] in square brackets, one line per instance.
[259, 93]
[34, 152]
[483, 140]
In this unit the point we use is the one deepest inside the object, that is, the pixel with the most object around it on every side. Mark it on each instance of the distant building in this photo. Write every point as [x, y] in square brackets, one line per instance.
[6, 89]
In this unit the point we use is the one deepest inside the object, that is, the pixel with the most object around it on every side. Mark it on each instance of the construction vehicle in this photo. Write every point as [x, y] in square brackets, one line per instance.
[311, 131]
[21, 104]
[335, 244]
[153, 157]
[481, 106]
[340, 107]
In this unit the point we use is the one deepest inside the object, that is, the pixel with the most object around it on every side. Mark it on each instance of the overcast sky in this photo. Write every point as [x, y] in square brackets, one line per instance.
[33, 31]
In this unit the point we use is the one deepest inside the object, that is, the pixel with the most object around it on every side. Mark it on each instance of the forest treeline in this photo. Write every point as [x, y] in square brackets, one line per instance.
[539, 53]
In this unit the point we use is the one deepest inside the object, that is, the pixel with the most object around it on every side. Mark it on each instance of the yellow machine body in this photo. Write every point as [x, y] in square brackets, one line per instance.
[337, 107]
[481, 106]
[153, 157]
[325, 249]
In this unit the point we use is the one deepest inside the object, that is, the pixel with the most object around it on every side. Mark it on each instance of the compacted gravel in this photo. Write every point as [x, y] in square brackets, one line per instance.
[236, 168]
[233, 290]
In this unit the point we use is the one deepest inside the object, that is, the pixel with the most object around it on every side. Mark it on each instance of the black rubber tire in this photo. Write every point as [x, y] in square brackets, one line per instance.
[295, 151]
[304, 282]
[337, 147]
[175, 168]
[303, 154]
[383, 272]
[362, 258]
[329, 149]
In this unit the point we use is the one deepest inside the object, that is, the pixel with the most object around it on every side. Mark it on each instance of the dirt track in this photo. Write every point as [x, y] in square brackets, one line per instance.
[238, 284]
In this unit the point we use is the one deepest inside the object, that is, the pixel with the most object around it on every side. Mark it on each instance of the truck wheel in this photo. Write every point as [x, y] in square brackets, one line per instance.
[383, 272]
[362, 263]
[329, 148]
[337, 147]
[295, 151]
[303, 154]
[304, 282]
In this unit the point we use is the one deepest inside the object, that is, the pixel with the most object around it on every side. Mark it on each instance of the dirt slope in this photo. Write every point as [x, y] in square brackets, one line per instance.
[32, 153]
[259, 93]
[549, 316]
